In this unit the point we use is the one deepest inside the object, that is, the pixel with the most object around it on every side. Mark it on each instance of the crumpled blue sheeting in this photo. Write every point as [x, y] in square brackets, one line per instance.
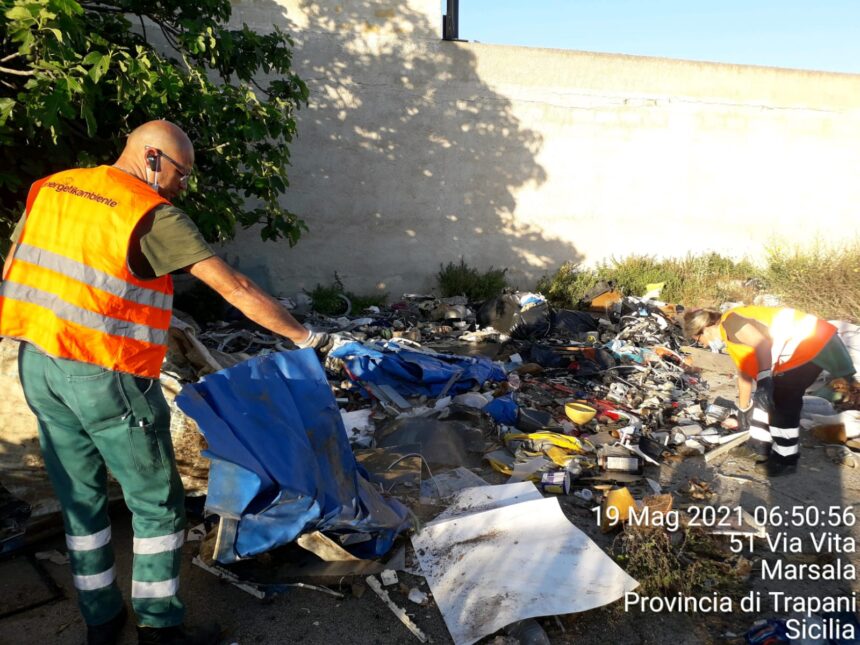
[414, 373]
[281, 461]
[503, 409]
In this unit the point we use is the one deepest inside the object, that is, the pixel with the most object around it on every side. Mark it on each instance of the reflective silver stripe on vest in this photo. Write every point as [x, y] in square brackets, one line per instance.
[93, 277]
[74, 314]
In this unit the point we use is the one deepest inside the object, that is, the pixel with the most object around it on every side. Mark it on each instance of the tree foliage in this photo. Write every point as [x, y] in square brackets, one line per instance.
[76, 78]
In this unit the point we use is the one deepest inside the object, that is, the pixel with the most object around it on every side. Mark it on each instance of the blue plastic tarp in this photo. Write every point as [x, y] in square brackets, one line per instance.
[414, 373]
[503, 409]
[281, 461]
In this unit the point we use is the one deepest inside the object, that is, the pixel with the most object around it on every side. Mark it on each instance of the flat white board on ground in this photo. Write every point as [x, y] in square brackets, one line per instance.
[495, 567]
[483, 498]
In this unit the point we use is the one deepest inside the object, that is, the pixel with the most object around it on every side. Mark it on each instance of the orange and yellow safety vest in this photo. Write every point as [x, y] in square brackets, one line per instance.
[69, 290]
[796, 338]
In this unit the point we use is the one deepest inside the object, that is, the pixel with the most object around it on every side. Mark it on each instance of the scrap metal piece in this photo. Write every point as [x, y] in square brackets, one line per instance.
[261, 591]
[395, 397]
[373, 583]
[225, 539]
[454, 378]
[232, 578]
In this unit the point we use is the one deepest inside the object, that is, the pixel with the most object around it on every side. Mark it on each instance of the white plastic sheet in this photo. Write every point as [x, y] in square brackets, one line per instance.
[515, 557]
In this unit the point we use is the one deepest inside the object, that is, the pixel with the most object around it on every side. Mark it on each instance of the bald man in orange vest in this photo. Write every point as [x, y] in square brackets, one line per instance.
[87, 289]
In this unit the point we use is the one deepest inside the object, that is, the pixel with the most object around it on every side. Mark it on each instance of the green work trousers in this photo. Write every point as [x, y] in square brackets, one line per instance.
[92, 420]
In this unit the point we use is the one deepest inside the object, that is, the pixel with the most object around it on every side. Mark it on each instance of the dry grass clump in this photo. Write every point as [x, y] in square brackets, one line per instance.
[690, 564]
[706, 279]
[821, 279]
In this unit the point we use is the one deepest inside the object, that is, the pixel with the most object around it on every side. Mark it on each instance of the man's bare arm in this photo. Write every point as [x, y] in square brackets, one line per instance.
[744, 390]
[241, 292]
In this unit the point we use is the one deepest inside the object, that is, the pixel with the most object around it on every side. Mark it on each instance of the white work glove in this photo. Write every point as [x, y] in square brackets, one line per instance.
[323, 342]
[319, 341]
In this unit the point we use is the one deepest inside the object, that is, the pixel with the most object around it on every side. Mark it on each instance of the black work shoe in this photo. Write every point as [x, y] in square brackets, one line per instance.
[777, 467]
[107, 633]
[208, 634]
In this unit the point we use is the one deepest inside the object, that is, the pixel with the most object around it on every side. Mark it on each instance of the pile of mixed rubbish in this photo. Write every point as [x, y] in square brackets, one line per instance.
[463, 424]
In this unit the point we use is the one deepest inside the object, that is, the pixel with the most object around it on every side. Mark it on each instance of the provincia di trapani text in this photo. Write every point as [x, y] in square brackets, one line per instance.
[801, 572]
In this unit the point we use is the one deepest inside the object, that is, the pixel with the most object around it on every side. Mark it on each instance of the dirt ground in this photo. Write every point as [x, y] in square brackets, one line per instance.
[306, 616]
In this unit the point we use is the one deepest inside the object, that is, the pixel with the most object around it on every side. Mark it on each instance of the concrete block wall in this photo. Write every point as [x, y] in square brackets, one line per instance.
[414, 152]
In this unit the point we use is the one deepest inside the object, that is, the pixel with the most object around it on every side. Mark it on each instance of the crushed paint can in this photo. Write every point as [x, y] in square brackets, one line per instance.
[556, 482]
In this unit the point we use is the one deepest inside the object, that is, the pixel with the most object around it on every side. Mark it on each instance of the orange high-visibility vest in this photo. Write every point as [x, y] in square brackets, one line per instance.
[69, 290]
[796, 338]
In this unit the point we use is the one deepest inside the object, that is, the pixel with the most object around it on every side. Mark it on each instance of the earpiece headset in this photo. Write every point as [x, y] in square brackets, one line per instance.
[152, 157]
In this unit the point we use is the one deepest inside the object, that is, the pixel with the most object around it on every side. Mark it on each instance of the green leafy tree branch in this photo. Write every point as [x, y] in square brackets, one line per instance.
[77, 77]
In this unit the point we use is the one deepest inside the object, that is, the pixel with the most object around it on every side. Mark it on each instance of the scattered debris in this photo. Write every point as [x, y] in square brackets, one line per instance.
[196, 533]
[389, 577]
[52, 556]
[373, 583]
[835, 428]
[842, 455]
[417, 596]
[229, 577]
[437, 399]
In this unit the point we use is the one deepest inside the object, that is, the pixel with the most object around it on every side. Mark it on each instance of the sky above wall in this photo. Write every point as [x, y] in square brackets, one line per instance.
[808, 34]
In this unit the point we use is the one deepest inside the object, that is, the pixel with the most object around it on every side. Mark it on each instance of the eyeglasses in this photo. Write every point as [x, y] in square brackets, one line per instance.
[184, 173]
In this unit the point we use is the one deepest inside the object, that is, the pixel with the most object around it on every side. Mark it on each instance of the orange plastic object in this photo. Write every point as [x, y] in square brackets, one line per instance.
[616, 509]
[605, 300]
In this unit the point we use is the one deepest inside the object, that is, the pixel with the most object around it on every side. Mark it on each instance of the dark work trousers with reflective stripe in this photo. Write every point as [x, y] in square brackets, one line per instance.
[784, 419]
[92, 420]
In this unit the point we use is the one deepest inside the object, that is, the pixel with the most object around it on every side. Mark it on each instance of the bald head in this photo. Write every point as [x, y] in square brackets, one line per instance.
[163, 135]
[160, 154]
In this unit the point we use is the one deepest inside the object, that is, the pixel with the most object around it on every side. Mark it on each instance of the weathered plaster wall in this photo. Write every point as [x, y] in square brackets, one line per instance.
[414, 152]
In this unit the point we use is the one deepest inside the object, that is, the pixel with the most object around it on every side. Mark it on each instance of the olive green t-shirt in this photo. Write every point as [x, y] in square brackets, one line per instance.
[168, 241]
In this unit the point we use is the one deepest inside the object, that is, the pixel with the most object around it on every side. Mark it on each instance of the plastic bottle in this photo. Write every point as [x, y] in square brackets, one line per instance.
[528, 632]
